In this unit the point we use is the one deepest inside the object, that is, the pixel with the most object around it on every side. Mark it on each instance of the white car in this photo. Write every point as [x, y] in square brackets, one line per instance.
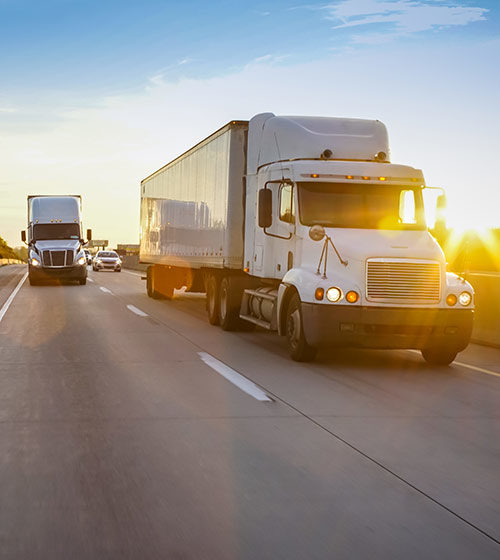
[107, 260]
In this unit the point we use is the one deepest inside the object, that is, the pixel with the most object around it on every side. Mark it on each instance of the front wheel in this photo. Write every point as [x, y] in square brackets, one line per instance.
[299, 349]
[438, 356]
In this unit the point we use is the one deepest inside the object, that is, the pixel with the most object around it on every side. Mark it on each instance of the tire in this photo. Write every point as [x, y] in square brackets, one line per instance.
[82, 281]
[298, 348]
[229, 304]
[439, 356]
[212, 287]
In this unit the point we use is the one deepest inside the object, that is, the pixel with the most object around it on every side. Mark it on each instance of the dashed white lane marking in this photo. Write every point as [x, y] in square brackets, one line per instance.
[138, 274]
[474, 368]
[89, 279]
[105, 290]
[10, 299]
[137, 311]
[234, 377]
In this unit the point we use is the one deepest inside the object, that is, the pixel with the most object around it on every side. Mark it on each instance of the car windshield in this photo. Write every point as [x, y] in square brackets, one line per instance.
[107, 255]
[56, 231]
[352, 205]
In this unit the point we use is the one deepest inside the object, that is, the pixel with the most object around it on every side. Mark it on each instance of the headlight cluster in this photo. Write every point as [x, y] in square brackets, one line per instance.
[465, 299]
[81, 260]
[335, 294]
[35, 262]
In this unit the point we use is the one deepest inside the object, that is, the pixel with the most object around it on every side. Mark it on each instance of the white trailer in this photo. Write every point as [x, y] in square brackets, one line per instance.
[55, 239]
[302, 225]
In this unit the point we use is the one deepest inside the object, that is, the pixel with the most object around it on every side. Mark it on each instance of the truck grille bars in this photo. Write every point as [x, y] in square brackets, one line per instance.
[403, 281]
[58, 258]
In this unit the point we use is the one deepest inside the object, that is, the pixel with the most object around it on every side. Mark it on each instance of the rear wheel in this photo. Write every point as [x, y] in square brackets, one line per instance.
[82, 281]
[212, 287]
[229, 304]
[299, 349]
[438, 356]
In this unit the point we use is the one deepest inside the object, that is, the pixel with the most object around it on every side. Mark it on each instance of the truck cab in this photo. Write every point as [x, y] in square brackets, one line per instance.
[343, 231]
[55, 239]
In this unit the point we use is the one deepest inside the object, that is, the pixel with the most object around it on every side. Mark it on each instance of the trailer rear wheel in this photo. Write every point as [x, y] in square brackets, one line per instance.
[299, 349]
[439, 356]
[212, 287]
[82, 281]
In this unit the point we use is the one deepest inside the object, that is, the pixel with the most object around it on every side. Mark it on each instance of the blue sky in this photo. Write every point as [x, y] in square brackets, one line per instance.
[95, 95]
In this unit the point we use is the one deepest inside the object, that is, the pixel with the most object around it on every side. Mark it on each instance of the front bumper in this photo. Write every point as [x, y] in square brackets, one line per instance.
[108, 266]
[64, 273]
[377, 327]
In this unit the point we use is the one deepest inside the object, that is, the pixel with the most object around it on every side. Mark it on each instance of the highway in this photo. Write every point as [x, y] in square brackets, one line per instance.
[132, 429]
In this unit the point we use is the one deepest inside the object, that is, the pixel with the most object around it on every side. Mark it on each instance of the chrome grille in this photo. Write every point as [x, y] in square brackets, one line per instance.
[403, 281]
[58, 258]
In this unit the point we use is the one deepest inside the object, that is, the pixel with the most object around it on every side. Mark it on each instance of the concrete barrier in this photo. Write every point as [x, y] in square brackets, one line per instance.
[487, 298]
[132, 262]
[4, 262]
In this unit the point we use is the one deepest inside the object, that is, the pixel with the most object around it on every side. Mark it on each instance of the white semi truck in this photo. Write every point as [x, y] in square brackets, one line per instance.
[55, 239]
[303, 226]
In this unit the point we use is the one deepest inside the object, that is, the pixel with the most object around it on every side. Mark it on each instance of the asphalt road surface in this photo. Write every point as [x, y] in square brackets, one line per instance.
[126, 432]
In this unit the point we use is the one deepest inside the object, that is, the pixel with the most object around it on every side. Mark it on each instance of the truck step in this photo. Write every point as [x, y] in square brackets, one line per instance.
[255, 321]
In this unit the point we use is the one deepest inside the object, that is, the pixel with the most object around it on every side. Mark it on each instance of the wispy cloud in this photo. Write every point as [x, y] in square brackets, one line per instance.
[400, 17]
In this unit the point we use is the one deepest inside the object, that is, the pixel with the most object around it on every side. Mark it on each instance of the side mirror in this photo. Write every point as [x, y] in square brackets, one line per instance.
[23, 236]
[441, 203]
[317, 232]
[265, 208]
[89, 235]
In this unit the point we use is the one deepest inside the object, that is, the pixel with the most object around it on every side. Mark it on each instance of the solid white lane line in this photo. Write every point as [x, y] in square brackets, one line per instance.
[138, 274]
[234, 377]
[474, 368]
[137, 311]
[105, 290]
[6, 305]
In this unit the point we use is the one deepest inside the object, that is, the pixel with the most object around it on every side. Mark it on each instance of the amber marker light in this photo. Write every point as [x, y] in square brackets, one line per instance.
[319, 293]
[352, 296]
[314, 175]
[382, 178]
[365, 178]
[451, 299]
[349, 177]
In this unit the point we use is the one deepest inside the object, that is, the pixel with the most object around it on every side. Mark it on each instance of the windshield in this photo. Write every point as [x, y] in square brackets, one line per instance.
[351, 205]
[56, 231]
[107, 255]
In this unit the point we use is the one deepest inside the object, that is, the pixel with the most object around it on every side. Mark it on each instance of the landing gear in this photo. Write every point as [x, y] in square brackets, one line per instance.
[299, 349]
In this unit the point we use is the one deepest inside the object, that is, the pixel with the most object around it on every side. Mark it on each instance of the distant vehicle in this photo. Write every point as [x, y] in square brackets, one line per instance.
[107, 260]
[88, 255]
[302, 225]
[55, 238]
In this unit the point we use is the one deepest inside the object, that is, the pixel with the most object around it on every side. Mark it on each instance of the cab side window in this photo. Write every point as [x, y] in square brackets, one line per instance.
[287, 210]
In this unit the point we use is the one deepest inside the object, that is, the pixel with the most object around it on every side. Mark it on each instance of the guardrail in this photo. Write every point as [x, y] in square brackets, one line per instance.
[4, 262]
[487, 299]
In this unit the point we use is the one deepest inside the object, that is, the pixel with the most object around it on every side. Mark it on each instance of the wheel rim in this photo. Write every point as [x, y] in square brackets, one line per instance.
[223, 302]
[293, 328]
[211, 298]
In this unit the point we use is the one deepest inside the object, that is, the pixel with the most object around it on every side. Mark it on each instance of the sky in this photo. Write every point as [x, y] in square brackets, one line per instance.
[95, 95]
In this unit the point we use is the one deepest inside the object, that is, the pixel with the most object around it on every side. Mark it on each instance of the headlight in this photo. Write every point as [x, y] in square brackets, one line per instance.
[82, 260]
[35, 262]
[98, 261]
[465, 299]
[333, 294]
